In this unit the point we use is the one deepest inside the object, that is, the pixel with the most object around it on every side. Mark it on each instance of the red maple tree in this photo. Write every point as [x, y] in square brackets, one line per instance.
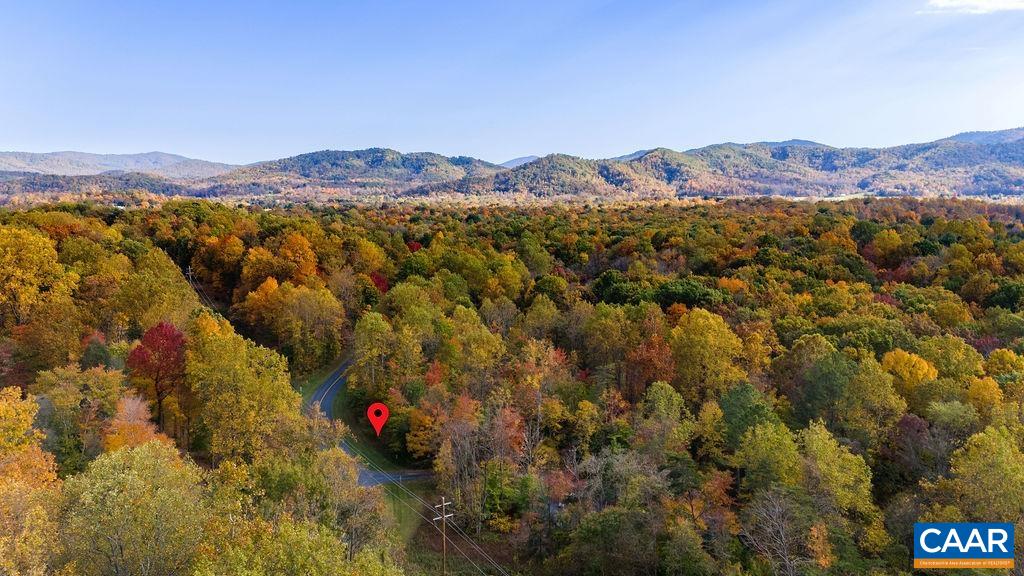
[159, 361]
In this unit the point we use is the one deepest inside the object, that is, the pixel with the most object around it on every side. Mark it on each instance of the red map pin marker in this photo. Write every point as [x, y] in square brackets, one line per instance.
[378, 415]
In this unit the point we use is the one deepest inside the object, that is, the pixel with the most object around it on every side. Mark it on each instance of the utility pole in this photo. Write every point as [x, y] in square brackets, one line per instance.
[443, 517]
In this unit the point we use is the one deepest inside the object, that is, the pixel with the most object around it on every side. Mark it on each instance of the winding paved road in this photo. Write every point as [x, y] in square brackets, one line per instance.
[325, 395]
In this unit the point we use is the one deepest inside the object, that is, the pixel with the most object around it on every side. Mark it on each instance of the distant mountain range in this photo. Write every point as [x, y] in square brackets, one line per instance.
[998, 137]
[971, 163]
[83, 164]
[519, 161]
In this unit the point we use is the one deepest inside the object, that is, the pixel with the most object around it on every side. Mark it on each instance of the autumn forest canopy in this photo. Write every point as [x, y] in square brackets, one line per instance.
[745, 387]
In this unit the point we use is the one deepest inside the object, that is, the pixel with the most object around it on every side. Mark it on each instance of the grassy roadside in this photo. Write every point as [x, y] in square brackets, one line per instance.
[427, 563]
[423, 557]
[308, 383]
[408, 521]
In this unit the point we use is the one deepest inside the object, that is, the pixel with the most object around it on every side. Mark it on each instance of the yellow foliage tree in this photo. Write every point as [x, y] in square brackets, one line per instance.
[1003, 361]
[984, 394]
[422, 438]
[909, 371]
[706, 352]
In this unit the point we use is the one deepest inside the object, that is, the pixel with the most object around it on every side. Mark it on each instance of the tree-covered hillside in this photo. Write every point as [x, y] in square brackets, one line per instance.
[375, 170]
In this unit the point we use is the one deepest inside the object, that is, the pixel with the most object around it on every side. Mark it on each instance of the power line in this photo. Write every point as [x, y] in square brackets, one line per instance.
[479, 550]
[425, 519]
[209, 301]
[443, 517]
[198, 289]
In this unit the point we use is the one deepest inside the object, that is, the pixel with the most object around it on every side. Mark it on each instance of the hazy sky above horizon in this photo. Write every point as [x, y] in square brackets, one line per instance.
[249, 81]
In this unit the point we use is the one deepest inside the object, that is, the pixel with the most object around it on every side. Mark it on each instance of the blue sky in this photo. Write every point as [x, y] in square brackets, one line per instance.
[248, 81]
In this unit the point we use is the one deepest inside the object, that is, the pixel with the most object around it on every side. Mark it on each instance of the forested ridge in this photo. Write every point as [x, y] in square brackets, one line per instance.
[736, 387]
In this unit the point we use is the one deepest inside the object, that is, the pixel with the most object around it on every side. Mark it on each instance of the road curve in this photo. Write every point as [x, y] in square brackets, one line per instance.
[325, 395]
